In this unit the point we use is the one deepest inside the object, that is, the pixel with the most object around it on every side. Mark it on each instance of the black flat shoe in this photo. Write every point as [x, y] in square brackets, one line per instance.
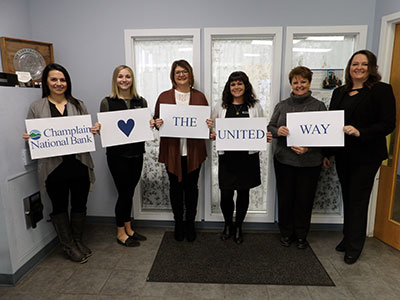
[190, 232]
[285, 241]
[129, 242]
[350, 259]
[179, 233]
[238, 236]
[341, 247]
[227, 233]
[138, 237]
[302, 244]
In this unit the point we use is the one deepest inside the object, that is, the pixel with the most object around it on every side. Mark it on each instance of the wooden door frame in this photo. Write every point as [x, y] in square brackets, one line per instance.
[385, 54]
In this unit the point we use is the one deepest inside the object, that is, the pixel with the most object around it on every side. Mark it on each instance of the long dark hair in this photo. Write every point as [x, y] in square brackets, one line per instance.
[373, 78]
[67, 94]
[249, 98]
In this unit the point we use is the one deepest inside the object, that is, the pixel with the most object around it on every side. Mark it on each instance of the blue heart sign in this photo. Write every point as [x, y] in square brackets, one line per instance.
[126, 127]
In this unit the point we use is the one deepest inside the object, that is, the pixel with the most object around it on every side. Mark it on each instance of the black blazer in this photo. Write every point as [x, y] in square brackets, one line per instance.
[374, 115]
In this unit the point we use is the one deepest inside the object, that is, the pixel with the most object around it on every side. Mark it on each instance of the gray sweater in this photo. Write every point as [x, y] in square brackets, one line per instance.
[282, 152]
[41, 109]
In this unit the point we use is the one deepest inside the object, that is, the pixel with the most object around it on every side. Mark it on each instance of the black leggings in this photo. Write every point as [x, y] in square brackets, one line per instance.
[71, 176]
[184, 192]
[126, 174]
[228, 206]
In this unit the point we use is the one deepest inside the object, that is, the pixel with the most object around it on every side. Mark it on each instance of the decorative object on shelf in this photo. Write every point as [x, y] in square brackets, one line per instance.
[26, 56]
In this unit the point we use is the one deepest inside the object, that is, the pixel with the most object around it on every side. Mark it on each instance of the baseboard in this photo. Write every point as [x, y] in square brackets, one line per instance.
[12, 279]
[211, 225]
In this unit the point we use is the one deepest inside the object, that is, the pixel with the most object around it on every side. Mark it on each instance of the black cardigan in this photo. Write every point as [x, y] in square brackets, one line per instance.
[374, 115]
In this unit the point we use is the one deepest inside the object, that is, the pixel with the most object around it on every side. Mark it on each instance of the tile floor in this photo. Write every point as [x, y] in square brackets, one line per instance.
[116, 272]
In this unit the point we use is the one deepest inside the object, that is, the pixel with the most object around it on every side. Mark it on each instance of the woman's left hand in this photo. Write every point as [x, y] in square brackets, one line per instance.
[351, 130]
[269, 137]
[96, 128]
[299, 150]
[210, 123]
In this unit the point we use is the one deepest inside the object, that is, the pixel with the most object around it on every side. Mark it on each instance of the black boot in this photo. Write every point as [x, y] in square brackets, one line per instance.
[179, 233]
[63, 229]
[190, 231]
[77, 225]
[228, 232]
[238, 236]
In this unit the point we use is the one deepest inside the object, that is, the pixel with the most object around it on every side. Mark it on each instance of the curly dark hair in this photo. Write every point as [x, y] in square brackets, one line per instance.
[374, 76]
[249, 97]
[68, 91]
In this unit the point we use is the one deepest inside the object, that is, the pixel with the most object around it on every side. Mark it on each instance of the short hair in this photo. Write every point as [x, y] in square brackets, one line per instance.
[249, 97]
[300, 71]
[68, 91]
[115, 93]
[374, 75]
[183, 64]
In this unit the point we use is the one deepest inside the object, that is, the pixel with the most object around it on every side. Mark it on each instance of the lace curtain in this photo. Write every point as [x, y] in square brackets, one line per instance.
[153, 60]
[254, 57]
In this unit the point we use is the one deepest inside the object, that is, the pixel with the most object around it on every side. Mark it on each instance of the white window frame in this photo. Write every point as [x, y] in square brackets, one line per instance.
[130, 35]
[276, 34]
[360, 32]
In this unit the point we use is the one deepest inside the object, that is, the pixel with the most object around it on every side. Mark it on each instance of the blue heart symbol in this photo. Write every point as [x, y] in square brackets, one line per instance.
[126, 127]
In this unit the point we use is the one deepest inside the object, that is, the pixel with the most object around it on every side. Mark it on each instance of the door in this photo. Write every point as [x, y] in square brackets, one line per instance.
[387, 220]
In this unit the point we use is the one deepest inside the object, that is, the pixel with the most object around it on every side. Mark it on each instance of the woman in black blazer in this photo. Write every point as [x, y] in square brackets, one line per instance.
[370, 115]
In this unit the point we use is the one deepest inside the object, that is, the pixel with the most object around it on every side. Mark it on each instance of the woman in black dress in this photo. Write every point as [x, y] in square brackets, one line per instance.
[237, 170]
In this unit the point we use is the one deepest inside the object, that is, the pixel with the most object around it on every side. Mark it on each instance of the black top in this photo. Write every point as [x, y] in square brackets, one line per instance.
[114, 104]
[55, 113]
[373, 112]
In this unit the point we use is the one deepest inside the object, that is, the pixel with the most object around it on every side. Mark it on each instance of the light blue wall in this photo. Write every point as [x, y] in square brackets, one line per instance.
[88, 38]
[15, 19]
[383, 8]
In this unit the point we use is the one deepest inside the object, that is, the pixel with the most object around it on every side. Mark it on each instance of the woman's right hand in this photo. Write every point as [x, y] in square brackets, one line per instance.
[326, 162]
[26, 136]
[158, 123]
[283, 131]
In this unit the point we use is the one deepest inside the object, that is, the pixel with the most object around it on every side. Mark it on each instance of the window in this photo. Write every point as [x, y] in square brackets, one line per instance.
[255, 51]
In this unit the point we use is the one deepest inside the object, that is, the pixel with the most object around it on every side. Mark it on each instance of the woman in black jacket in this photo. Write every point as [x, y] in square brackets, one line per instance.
[370, 115]
[125, 161]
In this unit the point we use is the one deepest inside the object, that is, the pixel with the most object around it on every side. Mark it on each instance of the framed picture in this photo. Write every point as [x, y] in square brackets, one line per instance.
[25, 56]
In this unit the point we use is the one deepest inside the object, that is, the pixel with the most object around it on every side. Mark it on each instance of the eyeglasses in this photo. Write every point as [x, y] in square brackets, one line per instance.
[181, 72]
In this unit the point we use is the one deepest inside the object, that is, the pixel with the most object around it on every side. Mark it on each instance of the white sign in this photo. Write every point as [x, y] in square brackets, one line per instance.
[316, 128]
[185, 121]
[60, 136]
[125, 126]
[241, 134]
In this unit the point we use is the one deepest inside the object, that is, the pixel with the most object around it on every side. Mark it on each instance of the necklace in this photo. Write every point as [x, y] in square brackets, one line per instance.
[237, 110]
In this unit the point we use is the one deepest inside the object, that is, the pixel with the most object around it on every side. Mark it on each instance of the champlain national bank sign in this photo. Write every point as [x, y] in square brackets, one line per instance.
[60, 136]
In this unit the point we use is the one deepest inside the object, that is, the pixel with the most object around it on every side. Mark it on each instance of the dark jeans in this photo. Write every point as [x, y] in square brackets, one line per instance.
[296, 191]
[228, 206]
[70, 177]
[126, 174]
[184, 194]
[356, 181]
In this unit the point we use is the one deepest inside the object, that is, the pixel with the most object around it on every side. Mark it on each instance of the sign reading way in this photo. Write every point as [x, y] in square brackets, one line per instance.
[60, 136]
[125, 126]
[184, 121]
[316, 128]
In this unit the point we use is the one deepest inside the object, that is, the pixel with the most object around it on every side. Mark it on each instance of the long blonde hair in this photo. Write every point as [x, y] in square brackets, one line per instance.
[114, 86]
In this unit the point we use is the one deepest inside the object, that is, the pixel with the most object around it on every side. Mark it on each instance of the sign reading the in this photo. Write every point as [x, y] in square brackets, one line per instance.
[184, 121]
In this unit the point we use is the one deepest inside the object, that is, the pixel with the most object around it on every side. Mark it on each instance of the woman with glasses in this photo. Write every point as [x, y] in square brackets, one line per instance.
[182, 157]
